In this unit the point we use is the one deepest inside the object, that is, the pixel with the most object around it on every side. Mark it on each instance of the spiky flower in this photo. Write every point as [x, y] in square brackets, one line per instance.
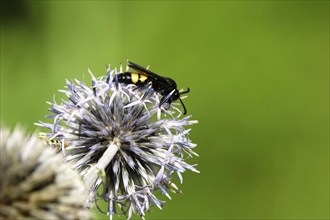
[35, 182]
[119, 137]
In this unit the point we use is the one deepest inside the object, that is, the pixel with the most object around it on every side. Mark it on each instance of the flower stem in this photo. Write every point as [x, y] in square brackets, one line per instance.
[92, 174]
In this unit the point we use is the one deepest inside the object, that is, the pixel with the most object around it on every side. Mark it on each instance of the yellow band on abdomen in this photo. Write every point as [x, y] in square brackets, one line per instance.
[134, 77]
[143, 78]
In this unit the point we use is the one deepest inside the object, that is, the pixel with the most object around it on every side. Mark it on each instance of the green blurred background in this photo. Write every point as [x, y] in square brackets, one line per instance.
[259, 78]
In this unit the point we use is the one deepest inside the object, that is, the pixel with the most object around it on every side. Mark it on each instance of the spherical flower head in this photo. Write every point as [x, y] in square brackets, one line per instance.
[119, 136]
[35, 181]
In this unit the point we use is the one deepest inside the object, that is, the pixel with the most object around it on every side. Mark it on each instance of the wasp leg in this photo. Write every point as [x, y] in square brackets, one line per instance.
[166, 99]
[147, 92]
[145, 86]
[107, 80]
[94, 87]
[116, 80]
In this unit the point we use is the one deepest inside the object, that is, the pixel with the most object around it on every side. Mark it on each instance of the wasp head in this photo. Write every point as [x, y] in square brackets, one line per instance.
[175, 95]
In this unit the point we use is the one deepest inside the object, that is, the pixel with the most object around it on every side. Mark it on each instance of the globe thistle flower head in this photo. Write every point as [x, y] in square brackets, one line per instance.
[35, 182]
[119, 136]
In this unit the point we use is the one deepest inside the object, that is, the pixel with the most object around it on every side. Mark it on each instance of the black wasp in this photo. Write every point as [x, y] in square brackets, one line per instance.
[141, 76]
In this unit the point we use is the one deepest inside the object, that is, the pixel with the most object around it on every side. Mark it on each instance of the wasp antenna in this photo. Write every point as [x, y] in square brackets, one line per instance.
[184, 107]
[184, 92]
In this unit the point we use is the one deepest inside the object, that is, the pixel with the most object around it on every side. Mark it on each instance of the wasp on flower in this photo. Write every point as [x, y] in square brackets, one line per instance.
[119, 135]
[143, 77]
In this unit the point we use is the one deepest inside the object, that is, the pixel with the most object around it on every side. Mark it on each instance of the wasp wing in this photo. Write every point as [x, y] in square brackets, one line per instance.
[161, 84]
[144, 71]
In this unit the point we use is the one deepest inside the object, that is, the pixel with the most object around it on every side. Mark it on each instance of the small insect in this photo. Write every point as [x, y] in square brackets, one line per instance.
[141, 77]
[56, 144]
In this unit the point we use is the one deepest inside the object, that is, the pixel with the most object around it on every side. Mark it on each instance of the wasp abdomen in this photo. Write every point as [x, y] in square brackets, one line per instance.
[132, 78]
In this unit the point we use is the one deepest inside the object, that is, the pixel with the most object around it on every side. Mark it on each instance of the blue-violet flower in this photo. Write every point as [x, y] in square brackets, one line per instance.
[118, 137]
